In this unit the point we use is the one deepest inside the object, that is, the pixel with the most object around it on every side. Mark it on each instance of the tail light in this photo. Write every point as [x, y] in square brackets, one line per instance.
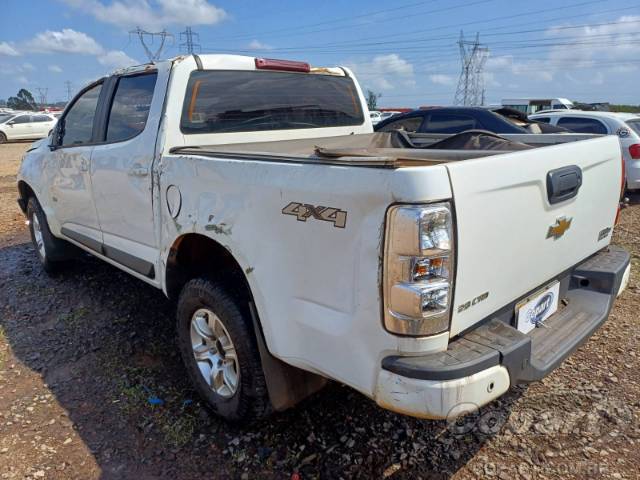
[282, 65]
[634, 150]
[418, 269]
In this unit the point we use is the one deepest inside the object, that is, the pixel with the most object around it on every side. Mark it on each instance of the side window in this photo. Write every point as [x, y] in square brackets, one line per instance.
[448, 123]
[22, 119]
[407, 124]
[130, 106]
[542, 119]
[582, 125]
[78, 122]
[41, 118]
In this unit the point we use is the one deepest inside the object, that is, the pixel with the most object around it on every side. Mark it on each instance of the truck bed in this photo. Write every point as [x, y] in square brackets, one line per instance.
[381, 149]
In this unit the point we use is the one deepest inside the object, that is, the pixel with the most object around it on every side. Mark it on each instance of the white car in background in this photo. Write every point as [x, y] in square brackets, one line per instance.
[376, 117]
[25, 126]
[385, 115]
[625, 125]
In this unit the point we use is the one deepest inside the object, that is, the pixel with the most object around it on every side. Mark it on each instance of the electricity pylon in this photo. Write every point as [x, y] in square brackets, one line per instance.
[163, 35]
[473, 56]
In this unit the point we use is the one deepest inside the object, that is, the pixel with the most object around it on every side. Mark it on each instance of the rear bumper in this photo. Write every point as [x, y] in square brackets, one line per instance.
[482, 363]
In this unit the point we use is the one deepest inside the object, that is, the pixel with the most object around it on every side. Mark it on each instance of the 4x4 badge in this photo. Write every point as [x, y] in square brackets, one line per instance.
[557, 230]
[303, 211]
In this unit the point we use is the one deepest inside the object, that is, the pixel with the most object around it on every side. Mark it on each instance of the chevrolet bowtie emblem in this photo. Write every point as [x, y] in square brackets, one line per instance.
[562, 225]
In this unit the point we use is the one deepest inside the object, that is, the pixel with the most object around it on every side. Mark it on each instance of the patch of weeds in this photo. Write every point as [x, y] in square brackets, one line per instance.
[132, 397]
[177, 429]
[134, 386]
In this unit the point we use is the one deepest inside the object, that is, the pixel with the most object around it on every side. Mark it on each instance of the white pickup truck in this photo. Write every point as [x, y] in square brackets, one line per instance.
[430, 273]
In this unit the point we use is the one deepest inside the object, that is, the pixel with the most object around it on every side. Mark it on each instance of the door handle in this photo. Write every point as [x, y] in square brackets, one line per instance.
[138, 171]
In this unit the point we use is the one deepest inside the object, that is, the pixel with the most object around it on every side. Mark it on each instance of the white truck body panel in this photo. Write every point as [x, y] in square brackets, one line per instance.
[317, 288]
[239, 203]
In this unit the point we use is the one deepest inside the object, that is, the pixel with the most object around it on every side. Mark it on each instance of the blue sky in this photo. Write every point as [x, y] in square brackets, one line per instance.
[406, 50]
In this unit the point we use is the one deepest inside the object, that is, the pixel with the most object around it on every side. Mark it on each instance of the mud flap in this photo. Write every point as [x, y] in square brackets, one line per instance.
[286, 384]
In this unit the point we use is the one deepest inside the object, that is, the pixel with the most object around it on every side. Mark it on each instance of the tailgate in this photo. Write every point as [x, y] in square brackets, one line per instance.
[503, 217]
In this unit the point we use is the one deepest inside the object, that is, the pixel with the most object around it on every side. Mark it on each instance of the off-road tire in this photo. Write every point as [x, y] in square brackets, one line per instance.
[56, 250]
[3, 138]
[251, 398]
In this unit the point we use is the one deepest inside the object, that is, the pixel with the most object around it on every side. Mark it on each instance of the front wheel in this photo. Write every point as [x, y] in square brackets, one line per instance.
[51, 251]
[3, 138]
[220, 352]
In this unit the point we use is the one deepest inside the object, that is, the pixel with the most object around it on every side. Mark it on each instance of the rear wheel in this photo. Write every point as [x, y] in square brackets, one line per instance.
[3, 138]
[51, 251]
[219, 351]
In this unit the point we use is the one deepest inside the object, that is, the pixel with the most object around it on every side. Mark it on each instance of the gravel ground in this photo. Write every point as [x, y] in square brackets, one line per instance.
[91, 386]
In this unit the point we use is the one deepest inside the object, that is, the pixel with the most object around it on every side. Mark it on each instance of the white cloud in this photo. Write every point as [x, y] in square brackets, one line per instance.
[393, 64]
[65, 41]
[490, 80]
[22, 80]
[540, 70]
[69, 41]
[256, 45]
[603, 44]
[9, 50]
[151, 14]
[14, 69]
[440, 79]
[116, 59]
[384, 72]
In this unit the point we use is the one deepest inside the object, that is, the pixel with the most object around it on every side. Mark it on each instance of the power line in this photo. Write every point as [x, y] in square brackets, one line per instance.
[304, 29]
[163, 35]
[189, 45]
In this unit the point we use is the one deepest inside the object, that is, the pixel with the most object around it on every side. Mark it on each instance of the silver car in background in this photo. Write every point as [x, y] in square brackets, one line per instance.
[625, 125]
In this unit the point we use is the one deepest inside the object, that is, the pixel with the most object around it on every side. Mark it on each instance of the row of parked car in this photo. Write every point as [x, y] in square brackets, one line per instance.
[16, 125]
[501, 120]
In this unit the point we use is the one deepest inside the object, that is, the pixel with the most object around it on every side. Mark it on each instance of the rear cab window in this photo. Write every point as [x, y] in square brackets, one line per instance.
[219, 101]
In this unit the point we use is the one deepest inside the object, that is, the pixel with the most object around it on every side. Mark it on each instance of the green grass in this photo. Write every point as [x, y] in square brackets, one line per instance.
[133, 387]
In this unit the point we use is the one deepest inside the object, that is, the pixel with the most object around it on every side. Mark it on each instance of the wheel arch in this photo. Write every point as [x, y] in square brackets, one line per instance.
[24, 192]
[195, 255]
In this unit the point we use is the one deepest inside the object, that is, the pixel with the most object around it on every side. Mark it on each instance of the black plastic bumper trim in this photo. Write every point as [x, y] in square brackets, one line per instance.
[88, 242]
[126, 259]
[591, 288]
[134, 263]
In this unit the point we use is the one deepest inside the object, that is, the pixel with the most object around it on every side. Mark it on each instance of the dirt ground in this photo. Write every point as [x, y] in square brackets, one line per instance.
[91, 386]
